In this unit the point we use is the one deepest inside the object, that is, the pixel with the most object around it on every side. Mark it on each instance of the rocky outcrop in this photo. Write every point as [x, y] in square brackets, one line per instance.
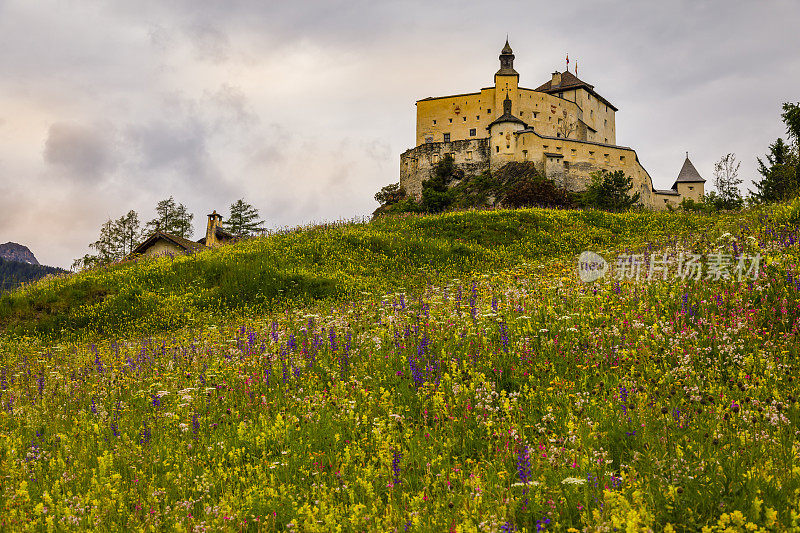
[12, 251]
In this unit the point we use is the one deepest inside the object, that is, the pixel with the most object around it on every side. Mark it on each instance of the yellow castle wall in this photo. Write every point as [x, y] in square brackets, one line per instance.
[547, 114]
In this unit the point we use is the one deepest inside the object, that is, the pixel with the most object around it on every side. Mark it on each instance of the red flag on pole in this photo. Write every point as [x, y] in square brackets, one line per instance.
[567, 60]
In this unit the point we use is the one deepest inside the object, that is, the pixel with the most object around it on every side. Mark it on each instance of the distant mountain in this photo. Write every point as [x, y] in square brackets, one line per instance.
[18, 265]
[12, 251]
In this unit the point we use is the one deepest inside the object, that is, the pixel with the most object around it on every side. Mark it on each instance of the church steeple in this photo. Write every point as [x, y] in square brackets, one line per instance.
[507, 62]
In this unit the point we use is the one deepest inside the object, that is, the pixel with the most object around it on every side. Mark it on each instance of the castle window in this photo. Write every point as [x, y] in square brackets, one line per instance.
[447, 137]
[489, 111]
[574, 152]
[497, 148]
[591, 114]
[606, 140]
[434, 122]
[465, 119]
[478, 117]
[535, 114]
[605, 122]
[451, 120]
[544, 147]
[691, 188]
[605, 156]
[435, 158]
[558, 135]
[665, 200]
[469, 154]
[525, 155]
[622, 159]
[473, 132]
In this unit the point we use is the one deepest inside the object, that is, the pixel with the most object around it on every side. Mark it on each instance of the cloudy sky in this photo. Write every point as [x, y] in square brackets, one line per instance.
[303, 108]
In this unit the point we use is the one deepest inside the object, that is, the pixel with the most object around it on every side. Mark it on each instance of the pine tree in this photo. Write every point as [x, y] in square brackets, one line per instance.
[780, 176]
[171, 218]
[791, 117]
[243, 220]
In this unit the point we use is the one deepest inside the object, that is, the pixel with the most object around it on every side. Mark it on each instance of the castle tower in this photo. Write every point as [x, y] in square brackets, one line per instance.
[689, 183]
[502, 139]
[506, 80]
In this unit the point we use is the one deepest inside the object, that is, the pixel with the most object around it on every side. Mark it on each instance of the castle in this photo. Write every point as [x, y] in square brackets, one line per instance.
[564, 126]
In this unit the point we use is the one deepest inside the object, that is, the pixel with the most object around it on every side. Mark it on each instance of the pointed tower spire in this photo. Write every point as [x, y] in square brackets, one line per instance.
[507, 61]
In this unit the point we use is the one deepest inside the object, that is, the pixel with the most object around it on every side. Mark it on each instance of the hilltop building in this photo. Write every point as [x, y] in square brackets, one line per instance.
[160, 243]
[564, 126]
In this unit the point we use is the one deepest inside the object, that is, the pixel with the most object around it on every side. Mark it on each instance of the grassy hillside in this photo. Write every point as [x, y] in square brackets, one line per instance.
[444, 373]
[327, 262]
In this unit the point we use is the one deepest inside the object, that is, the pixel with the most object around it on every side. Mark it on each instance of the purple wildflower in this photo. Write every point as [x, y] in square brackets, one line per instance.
[396, 467]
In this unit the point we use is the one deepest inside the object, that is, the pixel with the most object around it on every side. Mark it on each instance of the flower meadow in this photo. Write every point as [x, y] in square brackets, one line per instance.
[493, 391]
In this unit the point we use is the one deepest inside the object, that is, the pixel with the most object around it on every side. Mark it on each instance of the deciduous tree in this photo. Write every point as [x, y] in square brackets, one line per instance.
[727, 181]
[610, 191]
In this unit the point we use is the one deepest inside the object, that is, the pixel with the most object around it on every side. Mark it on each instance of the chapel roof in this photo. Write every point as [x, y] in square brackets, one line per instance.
[507, 115]
[184, 244]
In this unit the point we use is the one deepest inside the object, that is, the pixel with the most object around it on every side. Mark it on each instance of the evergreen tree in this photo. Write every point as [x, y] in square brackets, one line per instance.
[13, 273]
[791, 117]
[243, 220]
[610, 191]
[171, 218]
[780, 179]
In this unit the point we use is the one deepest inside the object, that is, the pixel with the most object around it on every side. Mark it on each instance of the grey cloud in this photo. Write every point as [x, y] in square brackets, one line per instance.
[164, 144]
[160, 37]
[233, 106]
[85, 152]
[210, 43]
